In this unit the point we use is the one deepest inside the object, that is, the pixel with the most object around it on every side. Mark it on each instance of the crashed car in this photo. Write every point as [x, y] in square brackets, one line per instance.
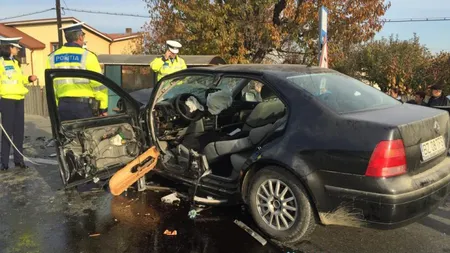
[298, 145]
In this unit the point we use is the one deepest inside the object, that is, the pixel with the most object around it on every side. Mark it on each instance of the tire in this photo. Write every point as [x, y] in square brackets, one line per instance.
[293, 229]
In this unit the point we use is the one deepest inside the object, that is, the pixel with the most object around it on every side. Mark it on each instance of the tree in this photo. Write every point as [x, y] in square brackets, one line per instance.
[390, 63]
[244, 31]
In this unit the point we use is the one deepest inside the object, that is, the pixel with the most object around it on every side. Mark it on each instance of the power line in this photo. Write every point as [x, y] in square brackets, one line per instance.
[64, 1]
[404, 20]
[27, 14]
[107, 13]
[408, 20]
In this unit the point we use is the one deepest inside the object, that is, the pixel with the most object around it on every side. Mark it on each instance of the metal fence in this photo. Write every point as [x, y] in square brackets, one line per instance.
[36, 101]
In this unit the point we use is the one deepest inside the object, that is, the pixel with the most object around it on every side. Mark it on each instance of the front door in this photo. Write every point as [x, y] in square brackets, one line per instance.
[93, 148]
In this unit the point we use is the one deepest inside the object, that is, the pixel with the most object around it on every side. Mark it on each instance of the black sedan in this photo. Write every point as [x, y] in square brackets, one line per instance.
[298, 145]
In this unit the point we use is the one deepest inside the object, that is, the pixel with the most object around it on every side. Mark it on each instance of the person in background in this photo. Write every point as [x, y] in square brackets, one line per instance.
[418, 99]
[394, 94]
[12, 93]
[170, 62]
[77, 98]
[437, 96]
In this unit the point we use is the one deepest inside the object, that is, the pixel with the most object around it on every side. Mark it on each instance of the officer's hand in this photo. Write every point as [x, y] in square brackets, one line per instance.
[104, 114]
[167, 55]
[32, 78]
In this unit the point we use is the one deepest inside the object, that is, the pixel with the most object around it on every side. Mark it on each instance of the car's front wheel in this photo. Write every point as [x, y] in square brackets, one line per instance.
[280, 206]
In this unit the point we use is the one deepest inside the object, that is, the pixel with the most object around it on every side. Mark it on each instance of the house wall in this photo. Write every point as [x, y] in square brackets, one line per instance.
[48, 34]
[123, 47]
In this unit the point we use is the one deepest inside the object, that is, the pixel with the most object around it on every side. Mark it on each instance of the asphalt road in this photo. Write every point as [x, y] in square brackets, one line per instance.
[35, 216]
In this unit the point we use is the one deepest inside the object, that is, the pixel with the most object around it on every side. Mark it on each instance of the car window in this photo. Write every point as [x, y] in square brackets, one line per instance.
[230, 83]
[195, 84]
[342, 93]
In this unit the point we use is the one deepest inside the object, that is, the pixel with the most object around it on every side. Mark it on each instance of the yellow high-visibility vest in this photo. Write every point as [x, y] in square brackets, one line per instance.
[73, 57]
[163, 68]
[12, 80]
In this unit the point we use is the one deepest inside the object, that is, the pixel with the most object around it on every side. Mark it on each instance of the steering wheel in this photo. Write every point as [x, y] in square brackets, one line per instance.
[183, 109]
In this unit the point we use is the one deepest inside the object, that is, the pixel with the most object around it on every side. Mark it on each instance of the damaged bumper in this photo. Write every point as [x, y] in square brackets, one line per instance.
[417, 196]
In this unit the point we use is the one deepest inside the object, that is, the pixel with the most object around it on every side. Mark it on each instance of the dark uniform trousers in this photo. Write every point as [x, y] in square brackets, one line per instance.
[14, 124]
[72, 110]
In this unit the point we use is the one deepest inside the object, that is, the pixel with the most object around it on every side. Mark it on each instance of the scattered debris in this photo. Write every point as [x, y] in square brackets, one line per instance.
[170, 199]
[115, 219]
[192, 214]
[50, 143]
[52, 155]
[147, 214]
[170, 233]
[96, 179]
[127, 206]
[247, 229]
[343, 216]
[158, 188]
[94, 235]
[40, 138]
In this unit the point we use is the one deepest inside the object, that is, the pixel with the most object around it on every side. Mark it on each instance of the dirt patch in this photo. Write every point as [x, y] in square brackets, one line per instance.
[343, 216]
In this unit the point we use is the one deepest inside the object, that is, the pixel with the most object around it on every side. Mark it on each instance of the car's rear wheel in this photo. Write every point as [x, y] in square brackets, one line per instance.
[280, 205]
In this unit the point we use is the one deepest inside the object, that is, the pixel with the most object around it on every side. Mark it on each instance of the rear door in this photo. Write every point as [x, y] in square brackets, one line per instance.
[95, 148]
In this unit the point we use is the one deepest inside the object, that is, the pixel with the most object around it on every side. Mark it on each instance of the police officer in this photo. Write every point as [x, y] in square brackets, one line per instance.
[12, 93]
[76, 97]
[170, 62]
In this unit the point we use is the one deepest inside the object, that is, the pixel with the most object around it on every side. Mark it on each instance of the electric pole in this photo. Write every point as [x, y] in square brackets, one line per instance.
[58, 22]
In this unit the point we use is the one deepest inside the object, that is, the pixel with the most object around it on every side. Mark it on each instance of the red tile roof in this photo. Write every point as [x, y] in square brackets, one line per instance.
[119, 36]
[28, 41]
[107, 36]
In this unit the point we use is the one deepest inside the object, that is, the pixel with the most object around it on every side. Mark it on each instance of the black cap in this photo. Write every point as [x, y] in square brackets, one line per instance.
[437, 87]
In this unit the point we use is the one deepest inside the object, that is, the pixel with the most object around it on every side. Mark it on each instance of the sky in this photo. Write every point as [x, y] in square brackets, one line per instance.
[435, 35]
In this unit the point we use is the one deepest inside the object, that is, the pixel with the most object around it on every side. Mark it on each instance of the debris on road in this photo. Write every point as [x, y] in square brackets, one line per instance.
[94, 235]
[192, 214]
[170, 233]
[195, 211]
[158, 188]
[250, 231]
[52, 155]
[50, 143]
[170, 199]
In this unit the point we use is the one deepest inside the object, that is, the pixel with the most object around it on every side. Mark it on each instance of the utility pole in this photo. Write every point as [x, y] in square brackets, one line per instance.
[58, 22]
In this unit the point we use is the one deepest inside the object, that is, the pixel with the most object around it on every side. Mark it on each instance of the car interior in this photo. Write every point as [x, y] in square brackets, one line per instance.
[227, 125]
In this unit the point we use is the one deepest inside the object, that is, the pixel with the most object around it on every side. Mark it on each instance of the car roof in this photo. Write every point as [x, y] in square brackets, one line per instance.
[272, 69]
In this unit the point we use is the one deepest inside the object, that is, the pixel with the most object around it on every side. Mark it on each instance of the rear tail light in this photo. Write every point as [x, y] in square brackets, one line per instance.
[388, 159]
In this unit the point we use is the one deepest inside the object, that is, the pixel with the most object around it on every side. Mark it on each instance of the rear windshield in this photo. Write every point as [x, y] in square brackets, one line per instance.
[341, 93]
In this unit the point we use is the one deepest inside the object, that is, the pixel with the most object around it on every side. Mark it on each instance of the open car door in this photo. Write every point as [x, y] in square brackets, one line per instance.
[95, 148]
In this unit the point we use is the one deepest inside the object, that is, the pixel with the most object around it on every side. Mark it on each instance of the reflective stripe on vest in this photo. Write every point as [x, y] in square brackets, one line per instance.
[9, 70]
[69, 57]
[9, 82]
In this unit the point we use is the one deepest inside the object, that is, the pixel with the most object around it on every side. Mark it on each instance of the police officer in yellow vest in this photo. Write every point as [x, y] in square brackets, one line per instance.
[170, 62]
[76, 97]
[12, 93]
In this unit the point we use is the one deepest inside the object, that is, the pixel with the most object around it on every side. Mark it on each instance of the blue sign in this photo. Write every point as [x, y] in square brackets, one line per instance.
[323, 26]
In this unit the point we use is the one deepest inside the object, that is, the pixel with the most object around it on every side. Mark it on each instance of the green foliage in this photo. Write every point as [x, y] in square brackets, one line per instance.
[404, 64]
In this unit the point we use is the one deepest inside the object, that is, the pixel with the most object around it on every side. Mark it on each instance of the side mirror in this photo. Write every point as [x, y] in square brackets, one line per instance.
[249, 97]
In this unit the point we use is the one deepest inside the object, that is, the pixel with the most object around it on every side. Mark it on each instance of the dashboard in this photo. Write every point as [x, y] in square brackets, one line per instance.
[169, 123]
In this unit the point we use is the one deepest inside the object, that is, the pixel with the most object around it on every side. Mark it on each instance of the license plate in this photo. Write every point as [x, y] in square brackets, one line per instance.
[432, 148]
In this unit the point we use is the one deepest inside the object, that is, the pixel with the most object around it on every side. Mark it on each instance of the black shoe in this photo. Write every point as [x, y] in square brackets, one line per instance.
[3, 168]
[21, 165]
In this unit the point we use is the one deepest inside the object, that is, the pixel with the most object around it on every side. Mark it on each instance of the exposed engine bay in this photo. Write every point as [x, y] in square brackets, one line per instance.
[97, 149]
